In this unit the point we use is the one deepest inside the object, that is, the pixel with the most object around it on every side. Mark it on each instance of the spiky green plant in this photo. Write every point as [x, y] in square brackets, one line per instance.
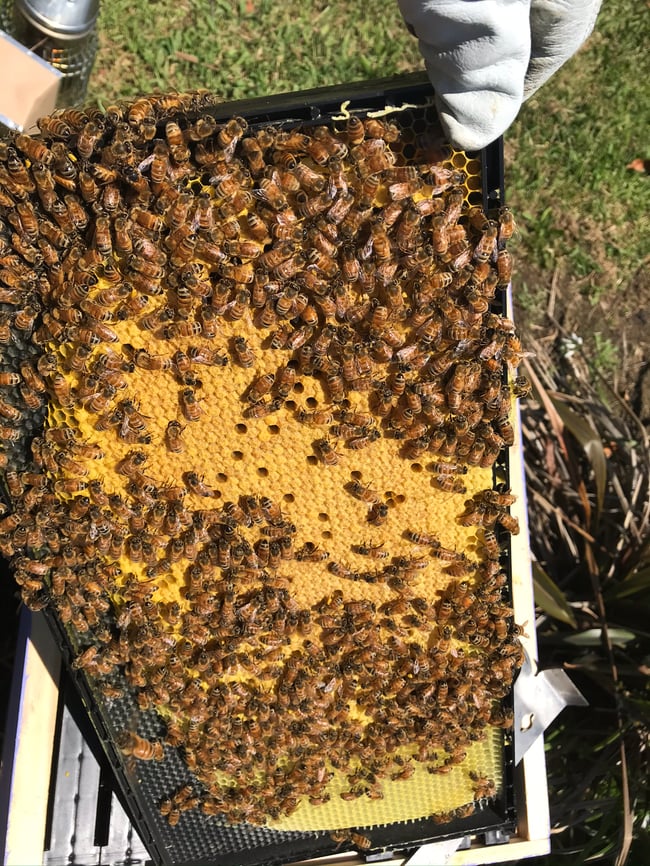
[588, 467]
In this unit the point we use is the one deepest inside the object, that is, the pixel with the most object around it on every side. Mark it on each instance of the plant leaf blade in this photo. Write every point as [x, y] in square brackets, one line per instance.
[591, 444]
[637, 582]
[550, 597]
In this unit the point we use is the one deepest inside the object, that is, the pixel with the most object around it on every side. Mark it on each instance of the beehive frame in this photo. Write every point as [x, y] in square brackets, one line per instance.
[231, 108]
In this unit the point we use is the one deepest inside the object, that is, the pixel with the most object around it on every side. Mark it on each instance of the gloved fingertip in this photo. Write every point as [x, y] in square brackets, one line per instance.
[558, 29]
[471, 121]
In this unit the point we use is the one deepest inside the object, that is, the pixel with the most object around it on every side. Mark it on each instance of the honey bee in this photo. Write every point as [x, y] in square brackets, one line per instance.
[34, 149]
[360, 841]
[507, 225]
[148, 268]
[11, 413]
[498, 498]
[268, 316]
[111, 199]
[132, 464]
[174, 135]
[484, 788]
[374, 128]
[173, 437]
[88, 450]
[153, 320]
[87, 140]
[363, 493]
[521, 387]
[318, 417]
[478, 302]
[350, 268]
[139, 112]
[14, 483]
[76, 211]
[294, 339]
[100, 330]
[397, 384]
[260, 388]
[61, 390]
[491, 544]
[25, 318]
[509, 523]
[131, 744]
[286, 380]
[378, 514]
[449, 483]
[348, 366]
[448, 468]
[323, 263]
[160, 166]
[486, 244]
[422, 538]
[17, 179]
[500, 628]
[504, 268]
[231, 133]
[243, 353]
[310, 552]
[197, 486]
[325, 452]
[439, 235]
[254, 156]
[150, 221]
[28, 221]
[190, 405]
[145, 361]
[373, 551]
[506, 431]
[478, 219]
[102, 237]
[182, 329]
[271, 194]
[341, 213]
[354, 130]
[289, 266]
[111, 692]
[262, 409]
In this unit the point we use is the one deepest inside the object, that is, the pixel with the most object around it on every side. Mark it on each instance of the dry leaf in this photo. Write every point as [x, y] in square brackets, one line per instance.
[639, 164]
[183, 55]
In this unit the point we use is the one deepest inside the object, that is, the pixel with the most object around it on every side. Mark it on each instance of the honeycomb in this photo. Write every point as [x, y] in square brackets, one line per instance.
[271, 391]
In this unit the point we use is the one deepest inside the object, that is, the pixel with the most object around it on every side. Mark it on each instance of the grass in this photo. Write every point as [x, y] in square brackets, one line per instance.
[247, 48]
[567, 155]
[605, 359]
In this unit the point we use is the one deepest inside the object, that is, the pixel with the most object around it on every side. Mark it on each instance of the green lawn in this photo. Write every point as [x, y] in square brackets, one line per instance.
[248, 48]
[568, 152]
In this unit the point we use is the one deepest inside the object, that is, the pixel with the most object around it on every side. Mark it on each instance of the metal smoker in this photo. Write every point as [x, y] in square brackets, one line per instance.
[63, 33]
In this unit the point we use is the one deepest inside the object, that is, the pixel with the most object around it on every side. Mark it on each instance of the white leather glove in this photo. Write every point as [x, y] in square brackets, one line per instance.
[484, 57]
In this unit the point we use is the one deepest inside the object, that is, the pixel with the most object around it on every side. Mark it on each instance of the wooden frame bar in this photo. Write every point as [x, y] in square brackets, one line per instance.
[29, 742]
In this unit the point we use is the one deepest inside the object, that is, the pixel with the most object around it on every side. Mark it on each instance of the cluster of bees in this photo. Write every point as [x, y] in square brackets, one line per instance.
[413, 704]
[353, 267]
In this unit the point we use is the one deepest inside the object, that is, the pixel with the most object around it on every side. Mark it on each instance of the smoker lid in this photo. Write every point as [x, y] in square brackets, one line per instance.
[60, 19]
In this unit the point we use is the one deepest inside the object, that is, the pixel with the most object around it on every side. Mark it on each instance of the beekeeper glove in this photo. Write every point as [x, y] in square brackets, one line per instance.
[484, 57]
